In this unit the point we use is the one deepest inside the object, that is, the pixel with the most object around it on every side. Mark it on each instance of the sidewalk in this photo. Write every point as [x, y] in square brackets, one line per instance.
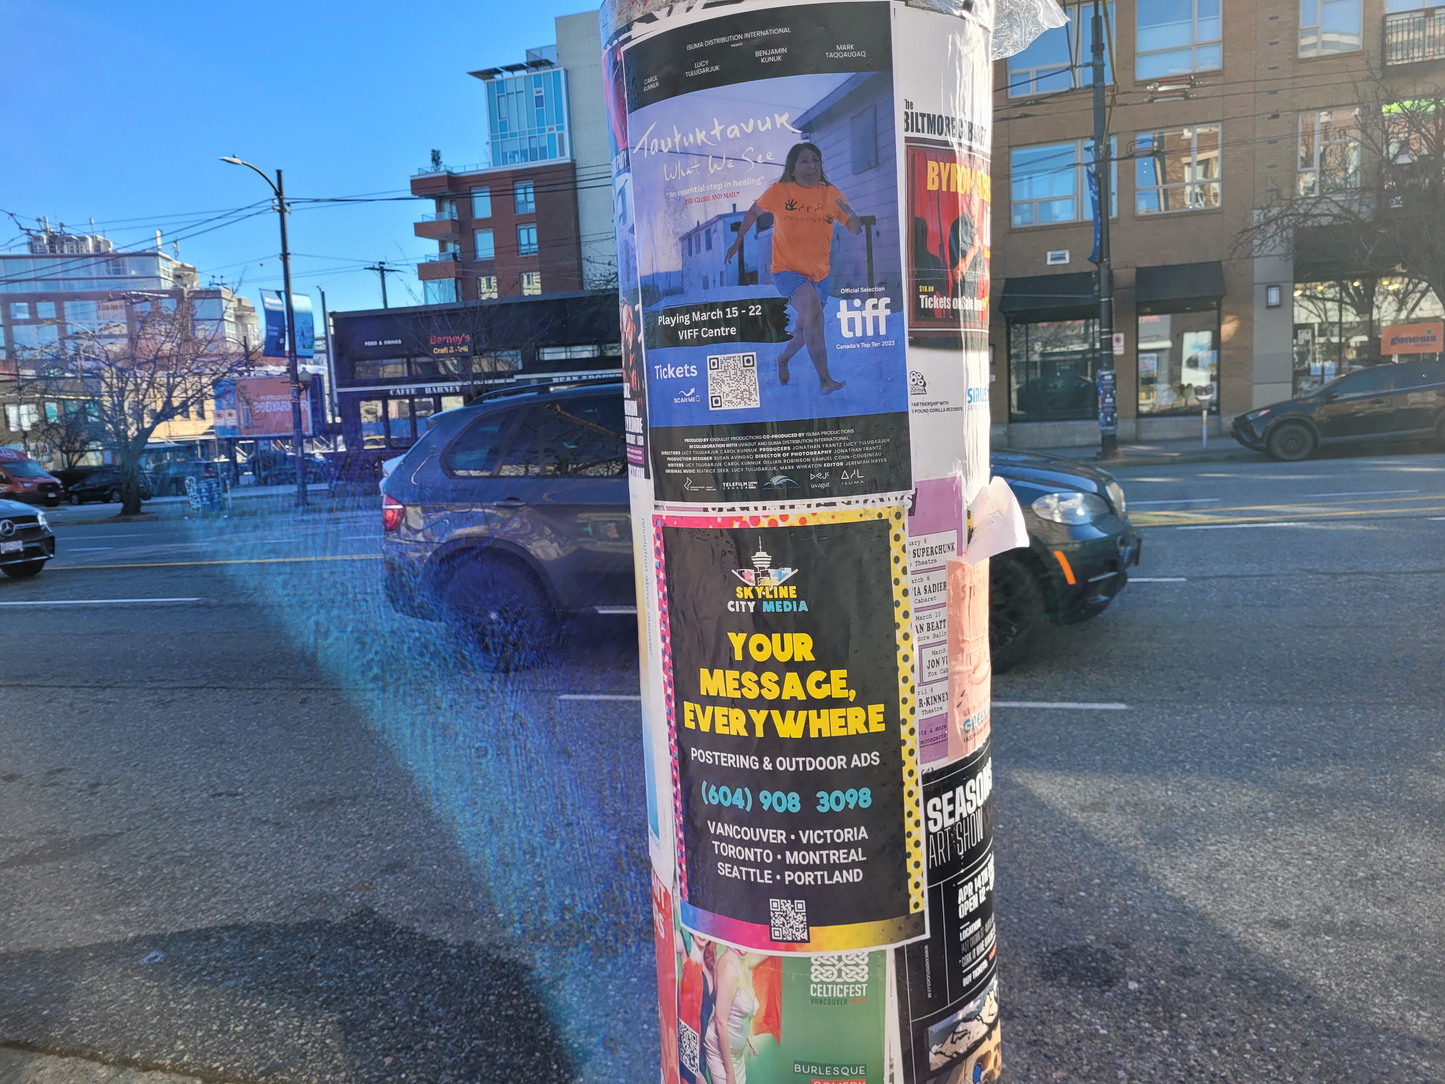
[248, 499]
[22, 1067]
[1157, 452]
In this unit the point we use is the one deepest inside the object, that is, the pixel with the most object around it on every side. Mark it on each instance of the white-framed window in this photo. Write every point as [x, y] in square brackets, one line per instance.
[1061, 58]
[439, 291]
[1048, 184]
[524, 198]
[481, 203]
[531, 283]
[487, 287]
[527, 240]
[1177, 170]
[1176, 37]
[483, 244]
[1330, 26]
[1329, 151]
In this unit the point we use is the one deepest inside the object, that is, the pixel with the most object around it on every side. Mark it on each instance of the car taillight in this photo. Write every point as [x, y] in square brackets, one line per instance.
[391, 512]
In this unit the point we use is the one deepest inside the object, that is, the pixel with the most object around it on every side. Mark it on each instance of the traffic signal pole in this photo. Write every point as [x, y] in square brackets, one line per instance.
[1107, 377]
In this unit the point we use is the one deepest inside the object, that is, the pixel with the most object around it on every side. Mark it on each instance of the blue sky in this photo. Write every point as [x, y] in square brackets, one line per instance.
[119, 111]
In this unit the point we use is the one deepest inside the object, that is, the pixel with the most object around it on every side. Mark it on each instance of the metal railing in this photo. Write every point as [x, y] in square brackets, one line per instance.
[1415, 36]
[442, 257]
[474, 167]
[449, 215]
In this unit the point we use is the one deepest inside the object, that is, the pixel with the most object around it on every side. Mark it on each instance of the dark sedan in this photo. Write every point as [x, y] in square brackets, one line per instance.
[101, 485]
[1406, 399]
[509, 515]
[26, 541]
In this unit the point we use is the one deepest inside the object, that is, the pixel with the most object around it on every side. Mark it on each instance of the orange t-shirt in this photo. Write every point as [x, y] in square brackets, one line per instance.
[802, 226]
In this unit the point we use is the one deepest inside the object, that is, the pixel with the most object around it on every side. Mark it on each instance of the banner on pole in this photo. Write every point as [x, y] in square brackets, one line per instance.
[273, 302]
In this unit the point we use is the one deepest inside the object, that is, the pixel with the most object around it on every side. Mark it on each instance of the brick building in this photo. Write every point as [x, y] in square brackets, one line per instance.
[1218, 107]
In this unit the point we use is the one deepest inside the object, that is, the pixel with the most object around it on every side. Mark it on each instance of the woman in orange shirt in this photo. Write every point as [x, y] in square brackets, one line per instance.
[804, 207]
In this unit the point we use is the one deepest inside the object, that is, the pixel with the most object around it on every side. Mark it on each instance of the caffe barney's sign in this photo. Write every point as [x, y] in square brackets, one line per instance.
[1412, 338]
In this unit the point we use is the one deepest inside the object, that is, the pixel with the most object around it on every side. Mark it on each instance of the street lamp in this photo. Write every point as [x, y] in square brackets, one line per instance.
[298, 438]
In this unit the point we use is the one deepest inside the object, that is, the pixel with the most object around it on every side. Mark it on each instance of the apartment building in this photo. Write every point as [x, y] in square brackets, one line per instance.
[62, 291]
[1217, 108]
[536, 216]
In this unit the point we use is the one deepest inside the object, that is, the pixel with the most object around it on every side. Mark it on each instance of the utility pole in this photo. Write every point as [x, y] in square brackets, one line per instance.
[330, 359]
[298, 437]
[1106, 378]
[380, 268]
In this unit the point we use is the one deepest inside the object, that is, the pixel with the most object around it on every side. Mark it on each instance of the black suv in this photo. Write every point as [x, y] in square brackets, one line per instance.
[512, 513]
[1406, 399]
[101, 485]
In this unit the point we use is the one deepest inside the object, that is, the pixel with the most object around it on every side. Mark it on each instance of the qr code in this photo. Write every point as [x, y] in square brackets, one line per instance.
[732, 382]
[687, 1049]
[788, 920]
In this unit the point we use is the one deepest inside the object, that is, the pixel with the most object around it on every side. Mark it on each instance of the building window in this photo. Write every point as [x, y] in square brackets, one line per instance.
[486, 287]
[1176, 37]
[524, 198]
[1048, 184]
[863, 137]
[20, 310]
[1329, 26]
[1178, 354]
[527, 240]
[1051, 371]
[1337, 325]
[527, 117]
[398, 423]
[567, 353]
[531, 283]
[1329, 151]
[1061, 58]
[481, 203]
[707, 240]
[483, 244]
[45, 310]
[439, 291]
[1177, 170]
[446, 208]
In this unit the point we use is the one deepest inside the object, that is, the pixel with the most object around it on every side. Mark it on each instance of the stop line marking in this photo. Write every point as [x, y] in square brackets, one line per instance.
[1158, 579]
[1061, 706]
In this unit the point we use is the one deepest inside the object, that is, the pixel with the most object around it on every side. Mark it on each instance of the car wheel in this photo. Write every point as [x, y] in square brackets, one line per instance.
[1440, 434]
[1015, 611]
[503, 611]
[112, 496]
[74, 498]
[23, 570]
[1291, 442]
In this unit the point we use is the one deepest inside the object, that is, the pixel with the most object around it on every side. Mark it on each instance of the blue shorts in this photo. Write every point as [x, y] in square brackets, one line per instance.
[789, 282]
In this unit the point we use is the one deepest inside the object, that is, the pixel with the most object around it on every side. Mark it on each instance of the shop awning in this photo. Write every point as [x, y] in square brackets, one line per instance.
[1179, 282]
[1049, 297]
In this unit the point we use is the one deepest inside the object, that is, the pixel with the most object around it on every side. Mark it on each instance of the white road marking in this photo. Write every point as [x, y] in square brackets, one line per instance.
[87, 549]
[92, 537]
[97, 601]
[1182, 500]
[1238, 526]
[615, 609]
[597, 696]
[1158, 579]
[1436, 519]
[1059, 705]
[1365, 493]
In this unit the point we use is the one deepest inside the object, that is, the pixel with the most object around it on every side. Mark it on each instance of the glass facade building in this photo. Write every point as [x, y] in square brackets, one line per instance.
[527, 117]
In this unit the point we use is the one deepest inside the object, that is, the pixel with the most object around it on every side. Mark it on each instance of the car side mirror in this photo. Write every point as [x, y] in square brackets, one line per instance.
[1330, 395]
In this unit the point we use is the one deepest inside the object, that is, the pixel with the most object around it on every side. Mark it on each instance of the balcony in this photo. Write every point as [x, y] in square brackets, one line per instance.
[441, 226]
[1412, 37]
[438, 265]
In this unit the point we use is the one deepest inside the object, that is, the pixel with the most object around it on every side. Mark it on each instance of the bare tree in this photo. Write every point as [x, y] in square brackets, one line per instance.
[130, 378]
[71, 432]
[1370, 194]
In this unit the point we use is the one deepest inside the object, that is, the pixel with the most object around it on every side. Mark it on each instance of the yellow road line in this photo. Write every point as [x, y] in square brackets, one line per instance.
[247, 561]
[1410, 512]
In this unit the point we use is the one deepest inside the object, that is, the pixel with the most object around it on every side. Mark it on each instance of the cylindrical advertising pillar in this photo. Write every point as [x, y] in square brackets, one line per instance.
[802, 199]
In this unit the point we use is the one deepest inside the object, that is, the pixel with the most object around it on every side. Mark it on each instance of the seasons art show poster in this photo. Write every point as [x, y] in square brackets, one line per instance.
[764, 179]
[788, 657]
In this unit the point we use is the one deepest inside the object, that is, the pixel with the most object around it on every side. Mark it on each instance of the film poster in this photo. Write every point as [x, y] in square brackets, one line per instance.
[764, 175]
[788, 660]
[947, 984]
[778, 1019]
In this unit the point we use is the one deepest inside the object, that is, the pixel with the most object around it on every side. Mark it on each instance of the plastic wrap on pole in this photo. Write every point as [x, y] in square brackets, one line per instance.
[803, 207]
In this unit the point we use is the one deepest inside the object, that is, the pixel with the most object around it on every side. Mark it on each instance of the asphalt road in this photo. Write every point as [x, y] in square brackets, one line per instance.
[269, 830]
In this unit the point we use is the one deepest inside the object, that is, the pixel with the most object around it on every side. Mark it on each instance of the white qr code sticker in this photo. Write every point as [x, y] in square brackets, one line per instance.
[788, 921]
[732, 382]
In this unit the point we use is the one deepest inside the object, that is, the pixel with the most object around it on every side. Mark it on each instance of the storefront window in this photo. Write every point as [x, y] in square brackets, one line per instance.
[1337, 324]
[398, 417]
[1051, 371]
[373, 424]
[1178, 355]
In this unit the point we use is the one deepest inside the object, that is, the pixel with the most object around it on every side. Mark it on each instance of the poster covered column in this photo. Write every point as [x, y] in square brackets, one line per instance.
[804, 209]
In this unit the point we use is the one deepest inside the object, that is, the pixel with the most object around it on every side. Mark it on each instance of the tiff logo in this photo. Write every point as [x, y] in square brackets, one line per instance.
[862, 322]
